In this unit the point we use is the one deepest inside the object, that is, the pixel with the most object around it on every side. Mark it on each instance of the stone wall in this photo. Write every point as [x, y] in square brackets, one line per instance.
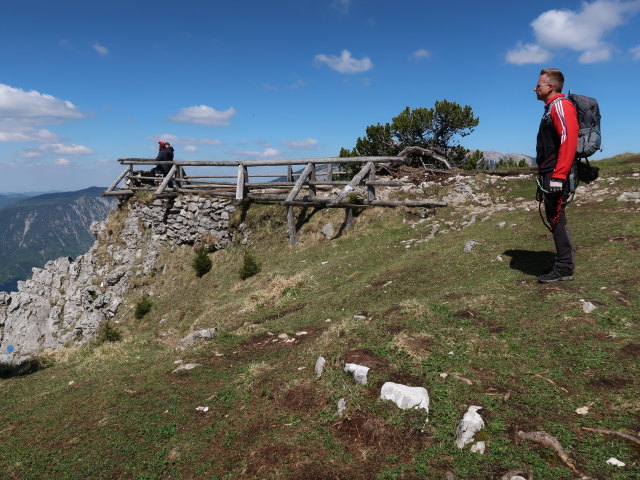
[67, 301]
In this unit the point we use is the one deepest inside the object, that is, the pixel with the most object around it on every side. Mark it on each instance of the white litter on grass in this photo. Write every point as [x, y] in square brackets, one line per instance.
[478, 447]
[320, 366]
[405, 397]
[186, 366]
[359, 372]
[342, 406]
[444, 375]
[587, 307]
[202, 409]
[470, 424]
[582, 410]
[615, 462]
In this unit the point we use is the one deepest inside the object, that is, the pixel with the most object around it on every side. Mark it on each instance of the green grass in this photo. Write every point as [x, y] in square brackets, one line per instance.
[126, 415]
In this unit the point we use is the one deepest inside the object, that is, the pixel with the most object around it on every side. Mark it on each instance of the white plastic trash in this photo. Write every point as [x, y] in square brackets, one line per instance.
[405, 397]
[359, 372]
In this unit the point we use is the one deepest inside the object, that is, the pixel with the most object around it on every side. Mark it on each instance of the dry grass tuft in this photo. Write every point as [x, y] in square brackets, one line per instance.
[272, 293]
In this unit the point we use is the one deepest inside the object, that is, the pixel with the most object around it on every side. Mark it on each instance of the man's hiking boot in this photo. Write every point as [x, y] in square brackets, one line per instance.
[557, 274]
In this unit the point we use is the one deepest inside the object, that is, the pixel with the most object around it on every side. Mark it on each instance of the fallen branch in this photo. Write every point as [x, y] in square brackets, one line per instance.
[424, 152]
[548, 380]
[549, 441]
[457, 376]
[604, 431]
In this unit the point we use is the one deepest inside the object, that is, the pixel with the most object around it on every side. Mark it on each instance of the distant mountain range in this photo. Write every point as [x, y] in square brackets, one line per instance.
[9, 198]
[42, 228]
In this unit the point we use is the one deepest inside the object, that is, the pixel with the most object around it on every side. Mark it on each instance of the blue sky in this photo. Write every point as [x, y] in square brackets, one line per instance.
[86, 82]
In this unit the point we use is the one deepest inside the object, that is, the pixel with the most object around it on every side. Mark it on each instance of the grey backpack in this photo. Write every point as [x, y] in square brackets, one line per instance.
[589, 136]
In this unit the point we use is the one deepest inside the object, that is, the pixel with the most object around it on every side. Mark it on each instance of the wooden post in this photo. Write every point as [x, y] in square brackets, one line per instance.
[291, 222]
[241, 184]
[371, 189]
[289, 173]
[348, 217]
[312, 178]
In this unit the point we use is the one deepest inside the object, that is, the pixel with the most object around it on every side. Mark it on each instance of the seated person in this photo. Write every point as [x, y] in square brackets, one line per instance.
[165, 154]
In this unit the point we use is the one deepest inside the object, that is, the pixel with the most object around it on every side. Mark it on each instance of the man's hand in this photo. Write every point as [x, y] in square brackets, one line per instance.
[555, 185]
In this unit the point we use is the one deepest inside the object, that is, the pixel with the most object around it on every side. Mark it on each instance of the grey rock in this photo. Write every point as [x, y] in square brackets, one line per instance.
[328, 231]
[66, 301]
[468, 246]
[193, 337]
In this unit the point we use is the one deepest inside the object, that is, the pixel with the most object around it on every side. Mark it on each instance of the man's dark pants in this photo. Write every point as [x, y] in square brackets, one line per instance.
[565, 252]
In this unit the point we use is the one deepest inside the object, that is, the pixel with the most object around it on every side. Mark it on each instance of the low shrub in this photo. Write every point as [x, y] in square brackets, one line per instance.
[143, 307]
[201, 263]
[249, 266]
[109, 333]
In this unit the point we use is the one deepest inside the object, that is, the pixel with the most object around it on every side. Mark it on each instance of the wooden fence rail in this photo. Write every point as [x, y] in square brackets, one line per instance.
[284, 189]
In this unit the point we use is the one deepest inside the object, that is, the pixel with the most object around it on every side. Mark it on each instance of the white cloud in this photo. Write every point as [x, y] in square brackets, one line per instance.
[420, 54]
[345, 63]
[22, 113]
[101, 49]
[582, 31]
[596, 55]
[30, 154]
[61, 162]
[306, 144]
[527, 53]
[204, 115]
[19, 132]
[175, 140]
[267, 152]
[635, 51]
[18, 103]
[190, 148]
[69, 149]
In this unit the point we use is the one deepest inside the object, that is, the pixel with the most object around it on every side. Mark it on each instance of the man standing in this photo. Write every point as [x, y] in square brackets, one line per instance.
[555, 155]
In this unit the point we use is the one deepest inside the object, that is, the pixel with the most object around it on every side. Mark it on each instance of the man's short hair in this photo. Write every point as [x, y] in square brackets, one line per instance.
[555, 78]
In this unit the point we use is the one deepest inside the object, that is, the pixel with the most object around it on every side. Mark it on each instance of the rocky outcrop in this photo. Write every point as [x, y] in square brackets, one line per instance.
[66, 302]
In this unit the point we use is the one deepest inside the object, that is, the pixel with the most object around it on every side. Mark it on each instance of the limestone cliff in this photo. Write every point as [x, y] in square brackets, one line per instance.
[67, 301]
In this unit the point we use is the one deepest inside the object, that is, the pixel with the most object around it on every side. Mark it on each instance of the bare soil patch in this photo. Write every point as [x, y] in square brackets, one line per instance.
[363, 356]
[302, 397]
[631, 350]
[609, 383]
[368, 431]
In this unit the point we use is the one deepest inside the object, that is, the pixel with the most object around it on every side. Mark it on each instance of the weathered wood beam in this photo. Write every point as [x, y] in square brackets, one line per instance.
[114, 184]
[291, 223]
[118, 193]
[354, 181]
[166, 180]
[261, 163]
[241, 189]
[303, 177]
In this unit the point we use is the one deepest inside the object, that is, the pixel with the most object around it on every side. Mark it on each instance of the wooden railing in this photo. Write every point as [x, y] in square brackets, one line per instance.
[317, 174]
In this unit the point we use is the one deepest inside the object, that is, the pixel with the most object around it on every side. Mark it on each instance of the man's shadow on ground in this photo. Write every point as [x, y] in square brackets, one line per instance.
[529, 262]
